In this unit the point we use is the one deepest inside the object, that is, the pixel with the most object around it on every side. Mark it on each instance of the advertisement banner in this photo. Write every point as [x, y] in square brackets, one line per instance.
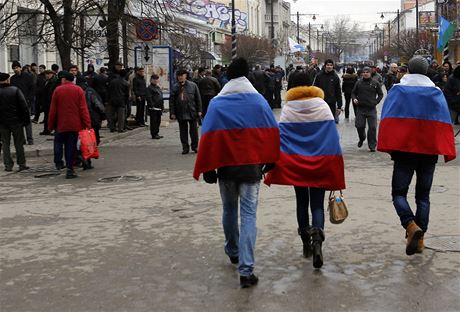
[427, 18]
[161, 64]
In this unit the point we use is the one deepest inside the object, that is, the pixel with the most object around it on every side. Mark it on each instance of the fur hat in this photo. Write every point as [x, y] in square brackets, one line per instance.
[418, 65]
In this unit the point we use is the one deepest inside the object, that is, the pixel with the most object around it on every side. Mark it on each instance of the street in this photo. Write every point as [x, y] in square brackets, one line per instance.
[155, 242]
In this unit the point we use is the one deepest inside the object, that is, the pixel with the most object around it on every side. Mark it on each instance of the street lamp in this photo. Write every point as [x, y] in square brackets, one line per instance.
[298, 22]
[398, 17]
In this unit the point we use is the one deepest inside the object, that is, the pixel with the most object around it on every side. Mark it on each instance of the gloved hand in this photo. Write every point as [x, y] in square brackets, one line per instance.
[210, 177]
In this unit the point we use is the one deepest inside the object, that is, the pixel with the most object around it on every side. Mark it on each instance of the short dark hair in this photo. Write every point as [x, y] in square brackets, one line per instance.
[181, 72]
[201, 69]
[238, 68]
[328, 61]
[55, 67]
[42, 66]
[33, 64]
[298, 79]
[154, 77]
[73, 66]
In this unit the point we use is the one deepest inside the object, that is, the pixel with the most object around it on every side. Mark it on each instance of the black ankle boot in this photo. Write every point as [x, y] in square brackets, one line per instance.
[317, 236]
[306, 240]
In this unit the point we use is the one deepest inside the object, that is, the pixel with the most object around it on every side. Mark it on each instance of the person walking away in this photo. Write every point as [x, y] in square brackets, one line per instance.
[140, 93]
[209, 87]
[89, 75]
[349, 80]
[50, 85]
[118, 97]
[100, 82]
[279, 75]
[39, 90]
[260, 80]
[155, 106]
[68, 115]
[14, 115]
[366, 95]
[24, 82]
[392, 76]
[185, 106]
[239, 136]
[306, 163]
[452, 94]
[329, 82]
[415, 129]
[270, 87]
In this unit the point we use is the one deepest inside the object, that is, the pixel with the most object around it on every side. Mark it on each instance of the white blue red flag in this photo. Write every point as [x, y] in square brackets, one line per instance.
[238, 129]
[415, 119]
[311, 155]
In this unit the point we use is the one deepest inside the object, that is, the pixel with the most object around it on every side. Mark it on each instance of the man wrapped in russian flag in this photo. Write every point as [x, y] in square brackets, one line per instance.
[239, 135]
[415, 128]
[310, 159]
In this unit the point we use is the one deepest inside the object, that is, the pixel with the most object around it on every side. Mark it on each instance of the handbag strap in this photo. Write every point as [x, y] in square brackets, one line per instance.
[332, 194]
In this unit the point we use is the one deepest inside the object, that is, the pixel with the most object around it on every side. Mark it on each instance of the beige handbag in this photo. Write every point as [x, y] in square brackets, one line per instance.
[337, 207]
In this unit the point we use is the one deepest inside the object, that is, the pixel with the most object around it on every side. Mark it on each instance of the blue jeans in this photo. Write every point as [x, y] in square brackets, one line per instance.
[240, 243]
[402, 176]
[69, 141]
[314, 197]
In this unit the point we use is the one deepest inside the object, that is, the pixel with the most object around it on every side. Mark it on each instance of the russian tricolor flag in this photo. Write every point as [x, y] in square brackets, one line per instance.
[415, 118]
[310, 149]
[239, 129]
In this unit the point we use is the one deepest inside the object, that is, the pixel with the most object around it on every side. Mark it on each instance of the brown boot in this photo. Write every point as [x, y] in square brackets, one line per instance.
[420, 245]
[414, 234]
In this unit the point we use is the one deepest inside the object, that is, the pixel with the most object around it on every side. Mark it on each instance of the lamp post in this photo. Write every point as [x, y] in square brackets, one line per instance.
[416, 23]
[298, 15]
[398, 18]
[234, 29]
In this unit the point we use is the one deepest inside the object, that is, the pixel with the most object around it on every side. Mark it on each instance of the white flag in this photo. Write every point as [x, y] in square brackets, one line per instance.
[295, 46]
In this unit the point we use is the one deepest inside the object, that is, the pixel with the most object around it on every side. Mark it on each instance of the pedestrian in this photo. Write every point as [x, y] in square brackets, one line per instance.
[375, 75]
[24, 82]
[39, 89]
[14, 115]
[118, 97]
[55, 68]
[240, 135]
[329, 82]
[366, 95]
[100, 83]
[401, 72]
[448, 69]
[392, 76]
[68, 115]
[140, 94]
[306, 163]
[260, 80]
[89, 75]
[185, 107]
[155, 106]
[415, 129]
[349, 80]
[51, 84]
[209, 87]
[452, 94]
[279, 75]
[270, 87]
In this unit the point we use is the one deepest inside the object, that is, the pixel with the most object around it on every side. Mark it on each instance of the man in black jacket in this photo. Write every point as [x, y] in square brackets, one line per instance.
[185, 106]
[155, 105]
[140, 92]
[14, 115]
[366, 94]
[209, 88]
[329, 82]
[118, 95]
[50, 85]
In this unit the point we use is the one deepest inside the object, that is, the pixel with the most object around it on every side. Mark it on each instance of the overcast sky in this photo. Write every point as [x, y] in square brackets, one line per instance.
[366, 12]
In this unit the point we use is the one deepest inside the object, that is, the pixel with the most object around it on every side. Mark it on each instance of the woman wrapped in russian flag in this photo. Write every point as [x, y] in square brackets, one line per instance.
[310, 159]
[415, 128]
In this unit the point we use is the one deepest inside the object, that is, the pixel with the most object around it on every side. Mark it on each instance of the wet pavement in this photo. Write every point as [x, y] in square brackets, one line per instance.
[157, 244]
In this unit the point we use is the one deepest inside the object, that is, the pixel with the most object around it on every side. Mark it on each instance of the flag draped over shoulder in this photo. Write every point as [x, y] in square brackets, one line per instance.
[311, 155]
[239, 129]
[415, 119]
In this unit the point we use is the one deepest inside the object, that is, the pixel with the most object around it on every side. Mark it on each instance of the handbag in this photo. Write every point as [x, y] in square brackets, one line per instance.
[337, 207]
[88, 144]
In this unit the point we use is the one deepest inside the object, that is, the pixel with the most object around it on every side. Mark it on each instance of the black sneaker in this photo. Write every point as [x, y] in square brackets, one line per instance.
[8, 169]
[185, 152]
[234, 260]
[360, 143]
[70, 174]
[372, 150]
[248, 281]
[23, 167]
[60, 166]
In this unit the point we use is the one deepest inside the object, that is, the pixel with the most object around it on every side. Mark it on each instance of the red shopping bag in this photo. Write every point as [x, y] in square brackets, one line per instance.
[88, 145]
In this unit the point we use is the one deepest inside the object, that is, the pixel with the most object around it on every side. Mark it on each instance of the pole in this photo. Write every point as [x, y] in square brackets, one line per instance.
[416, 23]
[82, 41]
[272, 35]
[125, 41]
[389, 34]
[322, 42]
[234, 31]
[317, 39]
[309, 35]
[398, 33]
[298, 27]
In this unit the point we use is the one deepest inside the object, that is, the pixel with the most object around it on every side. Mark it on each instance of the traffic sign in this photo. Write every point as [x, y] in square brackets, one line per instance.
[147, 29]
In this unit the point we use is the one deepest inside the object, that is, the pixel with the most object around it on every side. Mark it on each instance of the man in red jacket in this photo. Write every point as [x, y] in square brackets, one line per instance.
[68, 115]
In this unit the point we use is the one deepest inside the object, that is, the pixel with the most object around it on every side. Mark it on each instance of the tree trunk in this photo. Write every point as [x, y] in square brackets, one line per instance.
[115, 11]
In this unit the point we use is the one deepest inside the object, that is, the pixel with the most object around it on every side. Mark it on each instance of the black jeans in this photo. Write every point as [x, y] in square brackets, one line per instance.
[140, 111]
[18, 139]
[315, 197]
[402, 176]
[68, 140]
[184, 126]
[370, 116]
[155, 121]
[347, 105]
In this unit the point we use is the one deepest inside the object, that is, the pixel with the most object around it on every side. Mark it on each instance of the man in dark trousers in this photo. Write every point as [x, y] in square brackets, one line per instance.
[14, 115]
[209, 88]
[25, 83]
[118, 96]
[140, 93]
[50, 85]
[329, 82]
[155, 106]
[185, 106]
[68, 115]
[366, 94]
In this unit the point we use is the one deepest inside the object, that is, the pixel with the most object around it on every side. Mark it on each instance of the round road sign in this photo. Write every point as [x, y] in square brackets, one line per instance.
[147, 29]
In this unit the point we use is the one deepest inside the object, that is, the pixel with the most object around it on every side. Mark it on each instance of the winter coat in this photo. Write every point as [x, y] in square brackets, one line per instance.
[118, 91]
[13, 107]
[25, 83]
[391, 80]
[40, 89]
[329, 82]
[209, 86]
[69, 111]
[246, 173]
[368, 92]
[139, 87]
[95, 107]
[190, 106]
[349, 81]
[452, 93]
[155, 98]
[100, 85]
[260, 81]
[50, 86]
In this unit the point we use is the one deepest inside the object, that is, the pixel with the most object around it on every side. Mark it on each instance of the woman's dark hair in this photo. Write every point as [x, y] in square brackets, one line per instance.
[299, 79]
[450, 65]
[350, 70]
[238, 68]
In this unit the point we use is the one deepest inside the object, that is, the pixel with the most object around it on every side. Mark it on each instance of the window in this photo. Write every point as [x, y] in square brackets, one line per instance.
[13, 53]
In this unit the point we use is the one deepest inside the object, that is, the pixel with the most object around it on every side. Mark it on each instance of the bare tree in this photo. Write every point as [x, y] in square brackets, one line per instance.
[341, 31]
[255, 50]
[409, 44]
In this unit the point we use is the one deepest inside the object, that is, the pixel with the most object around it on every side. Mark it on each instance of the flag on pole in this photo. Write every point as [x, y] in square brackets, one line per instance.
[446, 31]
[295, 46]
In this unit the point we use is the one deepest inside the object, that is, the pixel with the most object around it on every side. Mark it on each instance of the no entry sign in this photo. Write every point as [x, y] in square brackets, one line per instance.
[147, 29]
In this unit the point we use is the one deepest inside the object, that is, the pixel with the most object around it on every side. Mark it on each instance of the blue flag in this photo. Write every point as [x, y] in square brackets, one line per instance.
[446, 31]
